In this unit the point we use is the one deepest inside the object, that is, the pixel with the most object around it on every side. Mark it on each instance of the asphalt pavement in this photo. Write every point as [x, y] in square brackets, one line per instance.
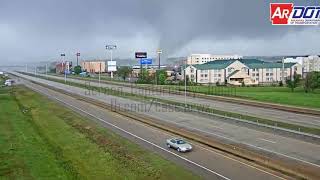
[206, 162]
[266, 113]
[290, 148]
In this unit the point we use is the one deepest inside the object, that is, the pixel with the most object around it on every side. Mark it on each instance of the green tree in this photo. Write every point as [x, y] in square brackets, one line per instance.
[293, 83]
[77, 69]
[161, 76]
[280, 83]
[124, 72]
[144, 77]
[312, 81]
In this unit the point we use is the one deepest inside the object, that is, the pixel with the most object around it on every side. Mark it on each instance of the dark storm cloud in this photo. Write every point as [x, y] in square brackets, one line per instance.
[41, 29]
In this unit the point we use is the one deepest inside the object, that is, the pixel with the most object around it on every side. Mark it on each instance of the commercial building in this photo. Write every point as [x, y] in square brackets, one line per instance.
[309, 63]
[204, 58]
[61, 67]
[150, 68]
[249, 71]
[94, 66]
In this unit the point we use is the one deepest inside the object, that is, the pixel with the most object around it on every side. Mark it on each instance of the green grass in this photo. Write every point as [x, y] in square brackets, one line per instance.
[193, 106]
[279, 95]
[39, 139]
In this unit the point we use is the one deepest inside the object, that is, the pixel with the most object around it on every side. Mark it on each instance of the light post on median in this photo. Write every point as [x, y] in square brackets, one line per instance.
[111, 48]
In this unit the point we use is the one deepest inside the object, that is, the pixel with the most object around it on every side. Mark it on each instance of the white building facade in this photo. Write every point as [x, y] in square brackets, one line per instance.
[309, 63]
[204, 58]
[236, 72]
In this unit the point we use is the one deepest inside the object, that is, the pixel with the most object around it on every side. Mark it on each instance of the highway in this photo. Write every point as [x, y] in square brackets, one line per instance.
[272, 114]
[293, 149]
[208, 163]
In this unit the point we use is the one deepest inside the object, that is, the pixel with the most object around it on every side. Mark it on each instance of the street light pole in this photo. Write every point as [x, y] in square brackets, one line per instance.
[99, 74]
[159, 51]
[110, 48]
[283, 71]
[65, 67]
[185, 85]
[78, 54]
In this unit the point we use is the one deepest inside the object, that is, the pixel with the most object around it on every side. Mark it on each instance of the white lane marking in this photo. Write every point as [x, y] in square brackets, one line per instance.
[217, 127]
[204, 148]
[138, 137]
[273, 142]
[254, 146]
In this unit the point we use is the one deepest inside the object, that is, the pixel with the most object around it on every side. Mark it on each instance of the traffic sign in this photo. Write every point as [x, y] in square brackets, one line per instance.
[146, 61]
[141, 54]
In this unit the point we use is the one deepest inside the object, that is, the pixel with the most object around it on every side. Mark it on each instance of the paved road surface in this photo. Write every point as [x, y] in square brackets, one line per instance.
[204, 161]
[212, 126]
[272, 114]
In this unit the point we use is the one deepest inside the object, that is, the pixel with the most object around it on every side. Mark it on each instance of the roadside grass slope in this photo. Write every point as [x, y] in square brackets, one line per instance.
[41, 139]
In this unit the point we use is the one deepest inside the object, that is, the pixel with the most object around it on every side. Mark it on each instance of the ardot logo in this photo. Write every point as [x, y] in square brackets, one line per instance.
[288, 14]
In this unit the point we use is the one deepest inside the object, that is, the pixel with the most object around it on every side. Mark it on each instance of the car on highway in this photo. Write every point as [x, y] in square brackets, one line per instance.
[8, 82]
[179, 144]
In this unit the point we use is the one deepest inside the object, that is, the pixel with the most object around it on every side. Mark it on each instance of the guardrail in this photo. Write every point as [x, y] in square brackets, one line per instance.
[265, 159]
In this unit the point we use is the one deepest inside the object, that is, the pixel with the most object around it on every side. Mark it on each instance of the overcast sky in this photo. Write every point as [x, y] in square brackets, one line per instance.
[40, 30]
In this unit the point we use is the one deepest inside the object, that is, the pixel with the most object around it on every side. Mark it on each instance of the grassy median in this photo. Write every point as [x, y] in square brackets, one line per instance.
[279, 95]
[40, 139]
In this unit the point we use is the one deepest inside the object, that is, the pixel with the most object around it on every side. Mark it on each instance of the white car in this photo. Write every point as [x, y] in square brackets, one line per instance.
[178, 144]
[8, 82]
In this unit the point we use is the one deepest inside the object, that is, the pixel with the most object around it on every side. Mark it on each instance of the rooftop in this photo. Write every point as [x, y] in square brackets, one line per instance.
[250, 63]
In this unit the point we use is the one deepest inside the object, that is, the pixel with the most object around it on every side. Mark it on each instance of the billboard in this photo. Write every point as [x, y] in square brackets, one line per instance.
[146, 61]
[141, 55]
[112, 66]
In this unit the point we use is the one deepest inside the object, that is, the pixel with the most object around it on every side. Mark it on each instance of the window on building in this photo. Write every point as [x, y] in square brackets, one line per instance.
[191, 70]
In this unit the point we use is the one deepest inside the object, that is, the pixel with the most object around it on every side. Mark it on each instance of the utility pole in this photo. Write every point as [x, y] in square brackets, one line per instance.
[282, 71]
[111, 48]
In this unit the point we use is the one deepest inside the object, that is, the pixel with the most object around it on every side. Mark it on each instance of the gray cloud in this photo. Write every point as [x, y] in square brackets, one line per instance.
[37, 30]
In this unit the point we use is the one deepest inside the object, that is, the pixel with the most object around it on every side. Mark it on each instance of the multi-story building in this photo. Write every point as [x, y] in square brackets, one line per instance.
[249, 71]
[204, 58]
[62, 67]
[94, 66]
[309, 63]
